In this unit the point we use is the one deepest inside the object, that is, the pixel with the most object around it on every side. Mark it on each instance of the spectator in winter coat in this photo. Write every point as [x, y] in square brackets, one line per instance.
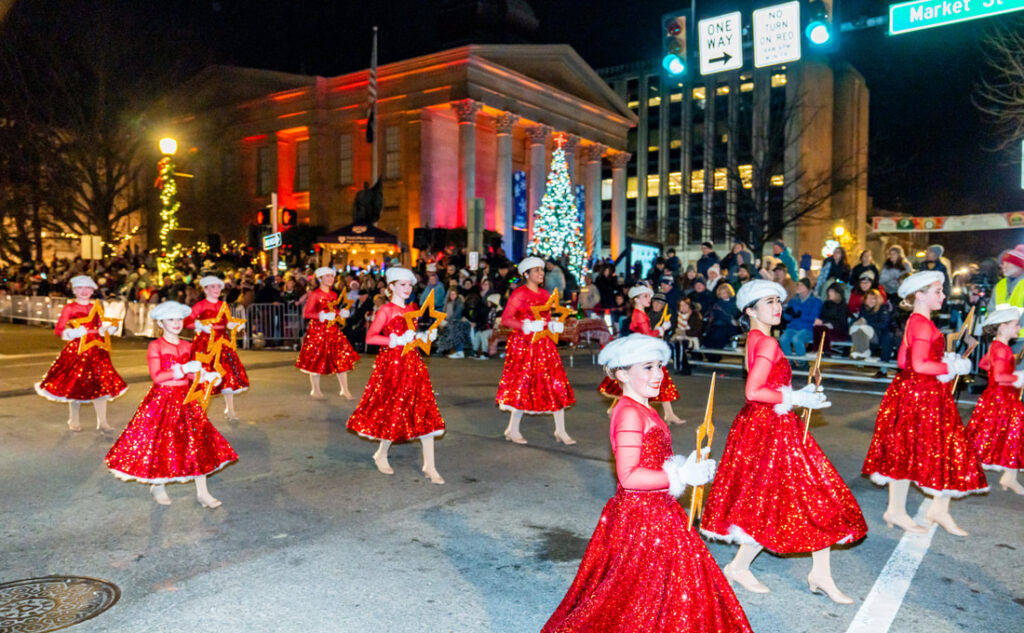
[866, 264]
[802, 310]
[782, 253]
[893, 271]
[835, 268]
[707, 259]
[834, 320]
[872, 327]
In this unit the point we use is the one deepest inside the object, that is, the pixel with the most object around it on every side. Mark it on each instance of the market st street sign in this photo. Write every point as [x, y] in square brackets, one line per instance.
[907, 17]
[271, 241]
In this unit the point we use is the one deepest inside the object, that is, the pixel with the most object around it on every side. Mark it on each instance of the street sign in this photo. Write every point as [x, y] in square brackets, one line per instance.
[271, 241]
[777, 34]
[907, 17]
[721, 43]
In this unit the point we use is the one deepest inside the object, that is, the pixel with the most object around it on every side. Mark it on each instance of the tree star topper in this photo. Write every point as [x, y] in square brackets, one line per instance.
[550, 306]
[412, 317]
[95, 320]
[223, 317]
[203, 391]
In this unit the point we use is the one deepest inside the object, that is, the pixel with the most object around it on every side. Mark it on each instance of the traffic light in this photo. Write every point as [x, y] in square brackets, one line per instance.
[288, 218]
[263, 217]
[673, 53]
[819, 24]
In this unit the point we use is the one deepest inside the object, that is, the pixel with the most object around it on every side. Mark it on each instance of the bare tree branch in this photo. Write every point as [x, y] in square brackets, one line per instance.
[1000, 93]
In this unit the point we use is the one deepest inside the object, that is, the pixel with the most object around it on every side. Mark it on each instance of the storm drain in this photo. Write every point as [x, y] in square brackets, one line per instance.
[37, 605]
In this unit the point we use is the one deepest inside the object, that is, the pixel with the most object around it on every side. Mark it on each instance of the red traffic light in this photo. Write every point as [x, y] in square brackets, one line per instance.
[262, 217]
[287, 217]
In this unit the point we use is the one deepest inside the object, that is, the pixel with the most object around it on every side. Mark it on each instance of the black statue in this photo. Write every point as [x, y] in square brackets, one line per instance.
[368, 204]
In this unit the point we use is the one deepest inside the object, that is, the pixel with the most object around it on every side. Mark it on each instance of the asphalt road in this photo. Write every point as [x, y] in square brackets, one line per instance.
[312, 538]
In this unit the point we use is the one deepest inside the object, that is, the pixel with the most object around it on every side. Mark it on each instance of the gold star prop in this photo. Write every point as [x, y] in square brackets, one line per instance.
[704, 431]
[813, 377]
[94, 320]
[204, 391]
[664, 316]
[223, 317]
[551, 306]
[339, 304]
[411, 318]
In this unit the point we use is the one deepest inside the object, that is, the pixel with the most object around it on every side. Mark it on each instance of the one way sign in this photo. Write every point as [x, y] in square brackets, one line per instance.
[721, 43]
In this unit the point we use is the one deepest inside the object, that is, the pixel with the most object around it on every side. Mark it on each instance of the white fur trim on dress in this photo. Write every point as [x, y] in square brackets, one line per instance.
[673, 467]
[437, 433]
[881, 480]
[511, 409]
[234, 391]
[165, 480]
[997, 467]
[784, 407]
[736, 536]
[55, 398]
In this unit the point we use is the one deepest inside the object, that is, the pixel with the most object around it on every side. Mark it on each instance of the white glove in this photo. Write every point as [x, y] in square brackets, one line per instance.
[1017, 384]
[234, 325]
[662, 328]
[557, 327]
[210, 376]
[71, 333]
[192, 367]
[688, 472]
[531, 327]
[528, 326]
[327, 316]
[400, 340]
[344, 314]
[108, 328]
[808, 398]
[432, 335]
[177, 371]
[961, 366]
[202, 327]
[948, 358]
[427, 336]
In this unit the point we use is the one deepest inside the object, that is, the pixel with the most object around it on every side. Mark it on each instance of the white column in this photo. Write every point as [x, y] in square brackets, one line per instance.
[466, 111]
[619, 160]
[538, 136]
[504, 124]
[592, 181]
[572, 142]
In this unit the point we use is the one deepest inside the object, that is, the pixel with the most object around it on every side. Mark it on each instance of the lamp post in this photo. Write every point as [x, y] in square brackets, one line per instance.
[169, 205]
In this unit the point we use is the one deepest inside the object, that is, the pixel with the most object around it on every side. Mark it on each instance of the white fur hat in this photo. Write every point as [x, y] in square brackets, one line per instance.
[751, 291]
[82, 280]
[640, 289]
[170, 310]
[397, 273]
[1002, 314]
[210, 279]
[633, 349]
[919, 281]
[494, 299]
[324, 270]
[529, 263]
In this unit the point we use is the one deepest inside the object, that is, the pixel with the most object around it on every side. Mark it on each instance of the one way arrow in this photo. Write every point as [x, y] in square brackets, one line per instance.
[724, 58]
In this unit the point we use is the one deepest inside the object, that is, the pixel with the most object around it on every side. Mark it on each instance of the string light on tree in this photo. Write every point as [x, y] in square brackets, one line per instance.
[169, 205]
[556, 227]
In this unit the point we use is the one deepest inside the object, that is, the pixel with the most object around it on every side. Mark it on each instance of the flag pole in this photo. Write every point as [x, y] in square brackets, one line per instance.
[372, 122]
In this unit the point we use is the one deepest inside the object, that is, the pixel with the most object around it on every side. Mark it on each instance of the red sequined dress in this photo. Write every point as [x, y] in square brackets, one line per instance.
[640, 323]
[644, 571]
[234, 379]
[533, 379]
[168, 440]
[325, 349]
[398, 402]
[85, 377]
[996, 429]
[772, 488]
[918, 432]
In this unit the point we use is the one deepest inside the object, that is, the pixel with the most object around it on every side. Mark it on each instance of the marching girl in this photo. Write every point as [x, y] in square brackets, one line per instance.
[325, 349]
[996, 429]
[398, 403]
[644, 570]
[640, 323]
[533, 379]
[87, 377]
[919, 436]
[235, 379]
[774, 489]
[167, 440]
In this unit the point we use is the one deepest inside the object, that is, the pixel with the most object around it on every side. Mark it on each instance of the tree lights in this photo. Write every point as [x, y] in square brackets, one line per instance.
[556, 228]
[169, 205]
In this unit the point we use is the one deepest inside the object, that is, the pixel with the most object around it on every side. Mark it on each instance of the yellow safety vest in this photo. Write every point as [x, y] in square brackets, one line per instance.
[1016, 297]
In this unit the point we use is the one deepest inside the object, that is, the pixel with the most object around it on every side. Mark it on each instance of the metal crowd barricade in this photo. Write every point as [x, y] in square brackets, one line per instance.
[273, 325]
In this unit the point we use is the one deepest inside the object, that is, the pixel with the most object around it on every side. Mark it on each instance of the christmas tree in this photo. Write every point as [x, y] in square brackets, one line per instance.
[169, 205]
[556, 225]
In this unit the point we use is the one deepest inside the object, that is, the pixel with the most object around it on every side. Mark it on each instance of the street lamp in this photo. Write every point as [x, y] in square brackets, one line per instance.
[840, 231]
[168, 146]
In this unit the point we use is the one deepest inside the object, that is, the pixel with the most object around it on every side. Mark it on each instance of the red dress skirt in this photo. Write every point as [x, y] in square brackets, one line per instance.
[235, 380]
[776, 490]
[533, 379]
[75, 377]
[398, 403]
[996, 429]
[668, 392]
[919, 436]
[644, 571]
[325, 349]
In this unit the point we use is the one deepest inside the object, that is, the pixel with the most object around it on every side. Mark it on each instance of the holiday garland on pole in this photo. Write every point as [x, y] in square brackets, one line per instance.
[169, 205]
[556, 226]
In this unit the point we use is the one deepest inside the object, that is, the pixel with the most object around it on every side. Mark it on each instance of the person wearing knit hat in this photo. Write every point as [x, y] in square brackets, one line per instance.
[919, 436]
[398, 404]
[796, 501]
[708, 258]
[1009, 290]
[215, 333]
[643, 538]
[996, 428]
[325, 348]
[169, 440]
[639, 323]
[533, 379]
[83, 371]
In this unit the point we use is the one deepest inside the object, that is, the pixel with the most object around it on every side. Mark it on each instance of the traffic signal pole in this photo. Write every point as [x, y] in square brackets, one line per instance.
[273, 229]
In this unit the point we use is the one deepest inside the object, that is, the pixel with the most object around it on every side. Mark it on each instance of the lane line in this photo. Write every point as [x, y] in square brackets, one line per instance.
[883, 602]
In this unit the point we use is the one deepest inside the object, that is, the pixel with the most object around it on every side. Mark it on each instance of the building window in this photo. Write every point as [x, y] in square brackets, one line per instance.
[265, 158]
[392, 156]
[302, 166]
[345, 165]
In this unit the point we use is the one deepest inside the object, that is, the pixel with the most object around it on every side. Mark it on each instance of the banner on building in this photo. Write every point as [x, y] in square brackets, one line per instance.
[949, 223]
[520, 210]
[581, 204]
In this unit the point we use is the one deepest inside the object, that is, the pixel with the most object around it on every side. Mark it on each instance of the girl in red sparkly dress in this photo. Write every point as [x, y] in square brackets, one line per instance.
[640, 323]
[996, 429]
[919, 436]
[644, 570]
[398, 403]
[325, 349]
[774, 489]
[168, 440]
[206, 338]
[533, 380]
[87, 377]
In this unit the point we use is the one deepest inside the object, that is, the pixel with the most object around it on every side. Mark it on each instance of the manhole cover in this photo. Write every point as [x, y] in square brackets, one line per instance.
[37, 605]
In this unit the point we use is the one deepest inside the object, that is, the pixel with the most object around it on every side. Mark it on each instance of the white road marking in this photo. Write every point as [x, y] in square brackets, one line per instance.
[883, 602]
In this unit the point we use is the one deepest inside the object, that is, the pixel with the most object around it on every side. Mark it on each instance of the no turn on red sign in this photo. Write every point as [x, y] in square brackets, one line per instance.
[720, 43]
[777, 34]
